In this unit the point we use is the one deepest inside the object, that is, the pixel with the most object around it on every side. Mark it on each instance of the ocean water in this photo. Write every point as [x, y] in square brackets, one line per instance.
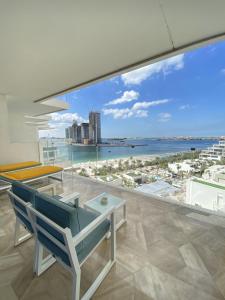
[77, 154]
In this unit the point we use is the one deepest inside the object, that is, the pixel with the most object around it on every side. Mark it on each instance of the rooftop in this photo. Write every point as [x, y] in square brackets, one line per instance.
[158, 187]
[165, 251]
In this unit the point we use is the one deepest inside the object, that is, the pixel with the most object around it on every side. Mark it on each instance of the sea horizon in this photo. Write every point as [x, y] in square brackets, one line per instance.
[181, 137]
[156, 147]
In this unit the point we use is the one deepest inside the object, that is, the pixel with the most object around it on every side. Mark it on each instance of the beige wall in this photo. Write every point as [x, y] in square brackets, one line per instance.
[18, 142]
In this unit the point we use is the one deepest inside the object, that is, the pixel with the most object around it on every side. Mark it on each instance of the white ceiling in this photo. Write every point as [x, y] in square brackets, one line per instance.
[37, 109]
[49, 46]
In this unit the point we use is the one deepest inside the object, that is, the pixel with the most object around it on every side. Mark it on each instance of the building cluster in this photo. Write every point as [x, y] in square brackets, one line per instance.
[216, 152]
[86, 133]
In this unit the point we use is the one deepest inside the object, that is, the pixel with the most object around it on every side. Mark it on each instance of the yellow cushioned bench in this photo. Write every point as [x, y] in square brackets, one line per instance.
[29, 174]
[18, 166]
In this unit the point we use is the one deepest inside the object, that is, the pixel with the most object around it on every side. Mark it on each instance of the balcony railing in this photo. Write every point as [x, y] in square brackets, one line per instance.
[130, 172]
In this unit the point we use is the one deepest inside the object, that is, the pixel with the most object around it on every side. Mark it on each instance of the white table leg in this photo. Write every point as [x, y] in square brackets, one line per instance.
[122, 221]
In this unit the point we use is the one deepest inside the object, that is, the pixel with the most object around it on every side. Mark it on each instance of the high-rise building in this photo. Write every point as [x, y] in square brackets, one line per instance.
[70, 130]
[74, 132]
[84, 131]
[78, 134]
[95, 127]
[67, 133]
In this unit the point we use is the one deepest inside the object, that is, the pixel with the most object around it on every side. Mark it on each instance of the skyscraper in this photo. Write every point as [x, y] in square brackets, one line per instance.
[71, 132]
[95, 127]
[78, 133]
[74, 132]
[67, 133]
[84, 132]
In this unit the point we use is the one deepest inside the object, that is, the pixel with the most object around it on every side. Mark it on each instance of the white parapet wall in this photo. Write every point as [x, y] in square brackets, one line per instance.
[18, 142]
[206, 194]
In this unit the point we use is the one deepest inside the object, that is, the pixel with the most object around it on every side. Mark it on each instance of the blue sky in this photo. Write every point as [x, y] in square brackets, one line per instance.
[183, 95]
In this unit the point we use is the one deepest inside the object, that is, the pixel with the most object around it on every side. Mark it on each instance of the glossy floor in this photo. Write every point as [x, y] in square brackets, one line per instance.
[163, 252]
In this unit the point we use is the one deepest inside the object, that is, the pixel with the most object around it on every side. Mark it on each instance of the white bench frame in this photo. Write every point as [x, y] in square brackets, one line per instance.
[9, 184]
[69, 248]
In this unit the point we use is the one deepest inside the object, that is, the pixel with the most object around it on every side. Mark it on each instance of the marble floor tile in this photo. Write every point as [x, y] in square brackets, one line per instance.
[7, 293]
[192, 258]
[164, 252]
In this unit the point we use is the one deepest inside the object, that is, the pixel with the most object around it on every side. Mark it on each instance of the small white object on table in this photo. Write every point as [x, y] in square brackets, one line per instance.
[104, 202]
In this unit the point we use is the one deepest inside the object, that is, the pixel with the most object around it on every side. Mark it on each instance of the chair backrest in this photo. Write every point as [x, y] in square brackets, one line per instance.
[22, 196]
[50, 219]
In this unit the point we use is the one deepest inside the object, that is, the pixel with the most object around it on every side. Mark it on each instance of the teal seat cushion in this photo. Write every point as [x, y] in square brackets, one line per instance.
[24, 192]
[67, 216]
[27, 194]
[85, 218]
[59, 212]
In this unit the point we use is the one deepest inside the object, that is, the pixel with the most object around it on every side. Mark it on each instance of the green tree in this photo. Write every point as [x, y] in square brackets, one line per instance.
[83, 172]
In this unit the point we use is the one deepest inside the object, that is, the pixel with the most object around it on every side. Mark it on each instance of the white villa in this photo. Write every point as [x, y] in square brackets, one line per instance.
[186, 166]
[215, 173]
[209, 191]
[207, 194]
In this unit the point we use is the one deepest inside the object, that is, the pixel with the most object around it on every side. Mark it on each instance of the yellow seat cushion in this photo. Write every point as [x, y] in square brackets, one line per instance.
[17, 166]
[31, 173]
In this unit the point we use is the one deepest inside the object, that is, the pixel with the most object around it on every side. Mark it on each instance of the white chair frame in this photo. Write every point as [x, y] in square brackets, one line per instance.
[69, 249]
[18, 239]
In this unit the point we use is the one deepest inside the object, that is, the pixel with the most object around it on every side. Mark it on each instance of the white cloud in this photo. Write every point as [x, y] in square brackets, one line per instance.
[124, 113]
[115, 80]
[146, 104]
[164, 117]
[117, 113]
[127, 96]
[141, 113]
[184, 107]
[58, 123]
[165, 66]
[138, 110]
[64, 118]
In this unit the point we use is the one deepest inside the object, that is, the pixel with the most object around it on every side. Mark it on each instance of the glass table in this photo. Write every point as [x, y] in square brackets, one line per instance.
[97, 206]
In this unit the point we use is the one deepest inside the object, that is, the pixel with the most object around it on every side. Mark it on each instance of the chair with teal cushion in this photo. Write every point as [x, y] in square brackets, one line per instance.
[21, 197]
[71, 234]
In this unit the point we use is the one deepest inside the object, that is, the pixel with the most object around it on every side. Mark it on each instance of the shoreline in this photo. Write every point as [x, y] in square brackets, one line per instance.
[142, 157]
[109, 145]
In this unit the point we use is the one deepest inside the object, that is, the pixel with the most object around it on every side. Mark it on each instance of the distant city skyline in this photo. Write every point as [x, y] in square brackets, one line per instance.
[180, 96]
[85, 132]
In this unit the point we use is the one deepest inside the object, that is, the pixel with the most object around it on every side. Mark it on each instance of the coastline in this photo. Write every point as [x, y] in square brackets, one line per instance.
[142, 157]
[86, 155]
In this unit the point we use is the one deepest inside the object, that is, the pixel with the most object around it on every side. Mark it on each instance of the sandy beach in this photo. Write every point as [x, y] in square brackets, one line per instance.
[101, 163]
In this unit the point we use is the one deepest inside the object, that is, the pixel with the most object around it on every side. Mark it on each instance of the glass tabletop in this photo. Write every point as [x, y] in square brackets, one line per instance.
[109, 201]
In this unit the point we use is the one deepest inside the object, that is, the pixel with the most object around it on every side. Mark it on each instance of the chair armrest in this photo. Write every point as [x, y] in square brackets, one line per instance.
[88, 229]
[71, 198]
[51, 187]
